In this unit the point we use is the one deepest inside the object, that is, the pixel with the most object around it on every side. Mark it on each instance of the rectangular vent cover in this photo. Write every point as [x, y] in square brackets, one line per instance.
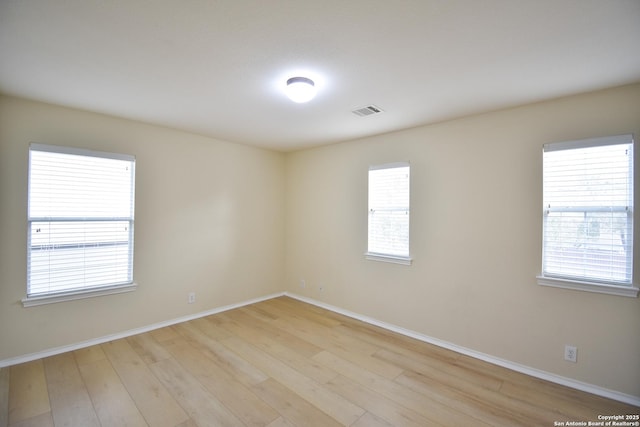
[367, 111]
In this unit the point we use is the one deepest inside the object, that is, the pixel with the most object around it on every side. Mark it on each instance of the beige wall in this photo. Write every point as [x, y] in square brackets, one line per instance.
[209, 219]
[211, 216]
[475, 238]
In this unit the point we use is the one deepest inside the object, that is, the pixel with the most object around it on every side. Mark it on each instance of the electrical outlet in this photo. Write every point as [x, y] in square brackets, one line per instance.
[321, 288]
[303, 284]
[571, 353]
[192, 297]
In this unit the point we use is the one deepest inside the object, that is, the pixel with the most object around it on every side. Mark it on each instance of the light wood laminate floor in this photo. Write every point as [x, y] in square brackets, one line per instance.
[277, 363]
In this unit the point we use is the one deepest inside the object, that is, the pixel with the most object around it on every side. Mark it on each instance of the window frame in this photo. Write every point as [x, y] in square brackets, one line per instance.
[388, 256]
[80, 292]
[612, 287]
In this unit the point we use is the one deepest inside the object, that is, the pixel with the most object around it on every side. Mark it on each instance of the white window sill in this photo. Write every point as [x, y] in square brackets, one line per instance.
[601, 288]
[75, 295]
[372, 256]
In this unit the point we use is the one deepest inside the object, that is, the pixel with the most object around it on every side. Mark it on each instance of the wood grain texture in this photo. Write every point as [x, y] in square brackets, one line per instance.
[281, 363]
[28, 394]
[153, 400]
[68, 396]
[112, 402]
[203, 408]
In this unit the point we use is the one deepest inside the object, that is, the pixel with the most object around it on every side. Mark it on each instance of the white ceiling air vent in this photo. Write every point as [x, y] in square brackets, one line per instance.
[367, 111]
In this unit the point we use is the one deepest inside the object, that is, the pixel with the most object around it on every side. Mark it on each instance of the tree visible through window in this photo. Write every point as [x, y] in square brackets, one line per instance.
[80, 220]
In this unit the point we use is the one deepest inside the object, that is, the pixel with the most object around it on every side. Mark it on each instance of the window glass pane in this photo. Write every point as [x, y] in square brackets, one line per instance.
[66, 185]
[595, 176]
[588, 211]
[80, 221]
[389, 210]
[389, 232]
[589, 245]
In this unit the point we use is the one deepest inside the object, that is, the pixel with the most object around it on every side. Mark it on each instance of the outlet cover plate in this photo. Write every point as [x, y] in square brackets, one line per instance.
[571, 353]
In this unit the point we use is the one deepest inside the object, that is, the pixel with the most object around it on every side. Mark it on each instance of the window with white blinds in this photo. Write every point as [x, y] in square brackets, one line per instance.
[389, 213]
[588, 211]
[80, 220]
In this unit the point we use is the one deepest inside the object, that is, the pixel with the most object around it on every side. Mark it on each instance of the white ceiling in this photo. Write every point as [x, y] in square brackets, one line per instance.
[217, 67]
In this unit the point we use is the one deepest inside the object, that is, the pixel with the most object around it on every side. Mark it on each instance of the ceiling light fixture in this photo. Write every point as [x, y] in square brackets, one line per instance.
[300, 89]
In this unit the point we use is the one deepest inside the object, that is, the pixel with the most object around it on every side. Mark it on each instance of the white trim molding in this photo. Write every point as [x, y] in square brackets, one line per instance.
[578, 285]
[33, 301]
[373, 256]
[124, 334]
[578, 385]
[537, 373]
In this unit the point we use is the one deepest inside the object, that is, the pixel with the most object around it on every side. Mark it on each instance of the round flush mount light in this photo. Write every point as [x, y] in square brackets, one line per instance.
[300, 89]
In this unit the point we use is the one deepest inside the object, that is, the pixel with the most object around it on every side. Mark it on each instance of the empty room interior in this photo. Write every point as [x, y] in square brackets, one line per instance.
[186, 243]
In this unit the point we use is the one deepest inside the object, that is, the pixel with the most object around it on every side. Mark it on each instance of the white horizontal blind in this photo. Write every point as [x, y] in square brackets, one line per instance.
[389, 209]
[81, 217]
[588, 210]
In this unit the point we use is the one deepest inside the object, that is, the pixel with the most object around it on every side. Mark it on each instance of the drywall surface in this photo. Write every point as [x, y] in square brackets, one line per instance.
[208, 219]
[476, 226]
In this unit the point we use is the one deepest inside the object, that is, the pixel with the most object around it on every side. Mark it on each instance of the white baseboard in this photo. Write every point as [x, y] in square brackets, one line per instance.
[537, 373]
[125, 334]
[589, 388]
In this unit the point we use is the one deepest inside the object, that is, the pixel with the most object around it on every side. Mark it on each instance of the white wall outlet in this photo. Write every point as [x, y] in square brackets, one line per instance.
[192, 297]
[321, 288]
[571, 353]
[303, 284]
